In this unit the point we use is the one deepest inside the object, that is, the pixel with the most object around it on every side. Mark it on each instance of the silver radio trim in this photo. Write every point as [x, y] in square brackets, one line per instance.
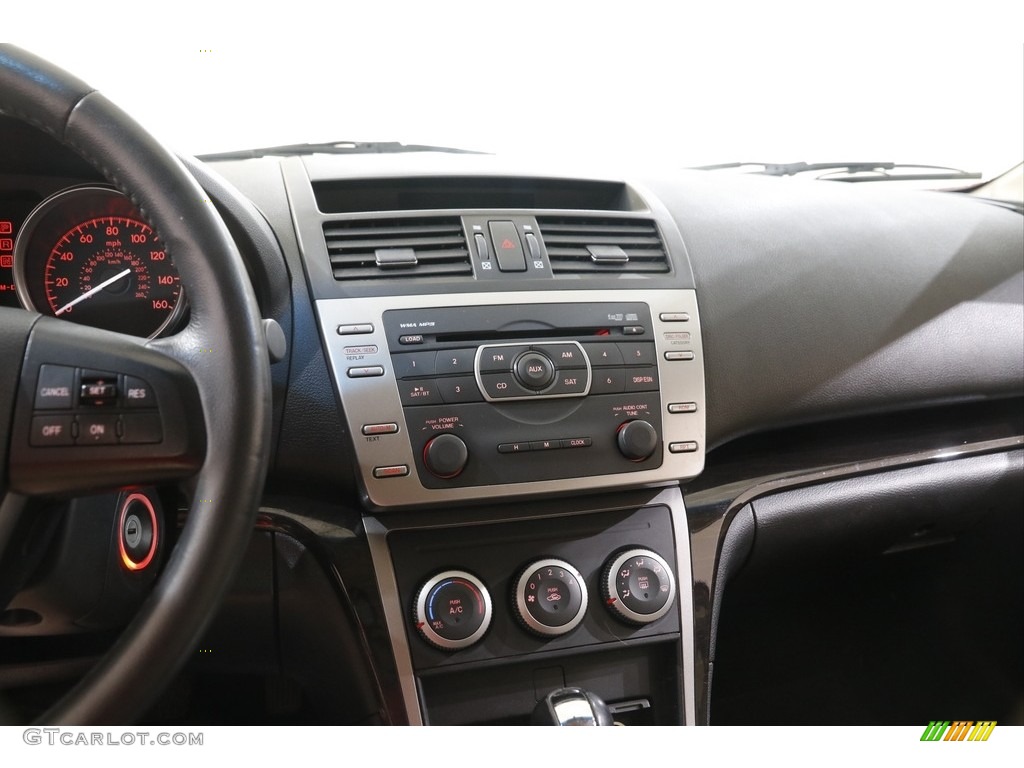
[540, 394]
[376, 399]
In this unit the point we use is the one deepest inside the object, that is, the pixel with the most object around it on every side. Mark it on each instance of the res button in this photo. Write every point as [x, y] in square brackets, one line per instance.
[138, 393]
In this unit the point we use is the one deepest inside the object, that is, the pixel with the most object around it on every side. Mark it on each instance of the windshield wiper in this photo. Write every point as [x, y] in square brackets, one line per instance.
[336, 148]
[852, 172]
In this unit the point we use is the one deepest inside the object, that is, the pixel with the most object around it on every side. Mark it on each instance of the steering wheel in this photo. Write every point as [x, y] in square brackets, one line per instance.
[211, 382]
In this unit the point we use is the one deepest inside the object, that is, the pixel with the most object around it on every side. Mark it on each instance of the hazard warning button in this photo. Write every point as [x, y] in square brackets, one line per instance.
[507, 246]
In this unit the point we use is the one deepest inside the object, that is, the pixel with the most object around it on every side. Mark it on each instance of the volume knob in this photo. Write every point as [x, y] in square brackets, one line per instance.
[445, 455]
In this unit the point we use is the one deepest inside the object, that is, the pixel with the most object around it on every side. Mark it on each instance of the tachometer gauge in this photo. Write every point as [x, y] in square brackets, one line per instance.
[85, 255]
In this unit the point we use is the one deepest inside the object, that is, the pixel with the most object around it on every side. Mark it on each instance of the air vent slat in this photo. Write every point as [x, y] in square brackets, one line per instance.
[382, 249]
[573, 241]
[396, 242]
[599, 230]
[603, 240]
[432, 229]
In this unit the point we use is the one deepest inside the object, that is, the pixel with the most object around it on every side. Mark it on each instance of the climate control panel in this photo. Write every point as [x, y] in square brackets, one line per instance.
[453, 609]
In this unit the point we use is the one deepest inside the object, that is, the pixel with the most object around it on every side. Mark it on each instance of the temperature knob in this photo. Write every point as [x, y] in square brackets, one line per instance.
[550, 597]
[452, 610]
[638, 586]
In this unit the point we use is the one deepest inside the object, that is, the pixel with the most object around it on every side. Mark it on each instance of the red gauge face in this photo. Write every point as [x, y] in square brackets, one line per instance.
[112, 272]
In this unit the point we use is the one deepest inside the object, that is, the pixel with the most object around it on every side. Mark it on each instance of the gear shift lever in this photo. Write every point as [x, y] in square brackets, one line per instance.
[571, 706]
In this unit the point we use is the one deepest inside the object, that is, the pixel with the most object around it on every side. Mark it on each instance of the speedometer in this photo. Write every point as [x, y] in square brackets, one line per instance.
[85, 255]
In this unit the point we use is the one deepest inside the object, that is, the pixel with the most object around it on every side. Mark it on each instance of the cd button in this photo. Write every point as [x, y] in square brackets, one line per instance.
[502, 386]
[674, 317]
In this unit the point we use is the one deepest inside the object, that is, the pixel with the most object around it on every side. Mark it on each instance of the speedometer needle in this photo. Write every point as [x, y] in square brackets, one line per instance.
[93, 291]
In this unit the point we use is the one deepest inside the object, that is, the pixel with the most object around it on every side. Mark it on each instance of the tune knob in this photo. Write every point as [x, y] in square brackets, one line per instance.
[638, 586]
[636, 439]
[550, 597]
[452, 610]
[445, 455]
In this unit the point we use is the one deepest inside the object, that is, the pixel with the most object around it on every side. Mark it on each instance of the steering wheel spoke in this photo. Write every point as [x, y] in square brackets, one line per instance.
[96, 410]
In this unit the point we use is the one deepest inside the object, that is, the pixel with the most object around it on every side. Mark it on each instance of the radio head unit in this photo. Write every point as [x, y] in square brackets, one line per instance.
[501, 396]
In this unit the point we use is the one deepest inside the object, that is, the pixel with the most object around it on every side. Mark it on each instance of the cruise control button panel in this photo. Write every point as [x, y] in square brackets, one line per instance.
[81, 406]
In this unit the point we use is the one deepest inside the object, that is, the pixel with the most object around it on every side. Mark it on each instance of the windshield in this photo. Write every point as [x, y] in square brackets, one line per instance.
[669, 86]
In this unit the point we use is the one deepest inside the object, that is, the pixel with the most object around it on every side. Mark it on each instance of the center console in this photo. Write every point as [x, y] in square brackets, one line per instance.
[523, 387]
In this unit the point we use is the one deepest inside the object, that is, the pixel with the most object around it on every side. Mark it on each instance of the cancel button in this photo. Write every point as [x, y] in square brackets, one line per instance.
[55, 387]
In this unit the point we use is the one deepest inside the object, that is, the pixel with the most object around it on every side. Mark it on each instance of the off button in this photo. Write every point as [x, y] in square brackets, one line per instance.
[51, 430]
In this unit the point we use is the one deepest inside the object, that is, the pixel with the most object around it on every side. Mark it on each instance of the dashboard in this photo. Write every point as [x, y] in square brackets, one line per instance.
[536, 429]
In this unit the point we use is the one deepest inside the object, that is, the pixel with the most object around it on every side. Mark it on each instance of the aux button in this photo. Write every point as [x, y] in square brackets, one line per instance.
[534, 370]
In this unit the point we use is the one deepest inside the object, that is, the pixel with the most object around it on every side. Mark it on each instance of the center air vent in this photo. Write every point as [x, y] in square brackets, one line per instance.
[380, 249]
[587, 245]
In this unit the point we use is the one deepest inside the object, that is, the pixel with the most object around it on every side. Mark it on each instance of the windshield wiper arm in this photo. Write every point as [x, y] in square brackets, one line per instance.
[336, 148]
[849, 172]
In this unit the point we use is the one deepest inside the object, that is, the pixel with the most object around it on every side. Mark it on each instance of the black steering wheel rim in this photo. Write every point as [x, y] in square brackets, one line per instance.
[233, 382]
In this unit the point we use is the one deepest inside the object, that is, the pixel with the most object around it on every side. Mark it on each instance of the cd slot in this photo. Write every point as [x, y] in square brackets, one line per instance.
[524, 335]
